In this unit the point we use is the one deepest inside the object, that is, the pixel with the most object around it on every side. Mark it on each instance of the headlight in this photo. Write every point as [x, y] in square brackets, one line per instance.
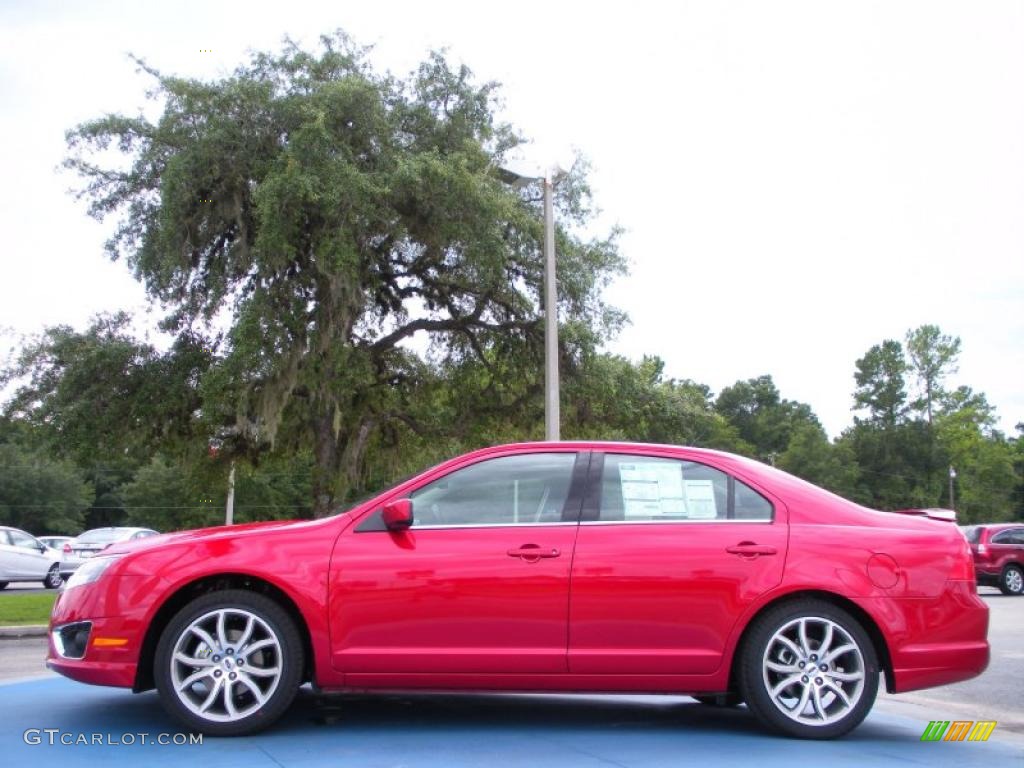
[90, 570]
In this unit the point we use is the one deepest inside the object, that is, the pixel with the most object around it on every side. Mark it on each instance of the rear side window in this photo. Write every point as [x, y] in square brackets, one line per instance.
[972, 534]
[646, 489]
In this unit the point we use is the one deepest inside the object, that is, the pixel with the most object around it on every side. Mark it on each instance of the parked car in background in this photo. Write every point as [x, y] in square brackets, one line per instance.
[85, 545]
[998, 555]
[24, 558]
[575, 566]
[55, 542]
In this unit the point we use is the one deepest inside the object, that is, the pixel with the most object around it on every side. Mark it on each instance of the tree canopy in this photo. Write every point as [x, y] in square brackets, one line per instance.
[332, 213]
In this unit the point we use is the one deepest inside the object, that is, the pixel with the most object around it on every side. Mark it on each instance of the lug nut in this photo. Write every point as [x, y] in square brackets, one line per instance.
[217, 673]
[232, 676]
[801, 665]
[817, 681]
[804, 679]
[824, 667]
[814, 657]
[216, 657]
[230, 651]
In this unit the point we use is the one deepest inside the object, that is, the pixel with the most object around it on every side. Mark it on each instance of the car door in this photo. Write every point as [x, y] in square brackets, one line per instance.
[1007, 547]
[30, 563]
[8, 558]
[478, 584]
[669, 554]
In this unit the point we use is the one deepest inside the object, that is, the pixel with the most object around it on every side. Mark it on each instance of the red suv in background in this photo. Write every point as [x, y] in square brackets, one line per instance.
[999, 556]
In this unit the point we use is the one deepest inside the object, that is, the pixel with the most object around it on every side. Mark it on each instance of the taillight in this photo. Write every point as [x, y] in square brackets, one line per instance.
[67, 549]
[963, 566]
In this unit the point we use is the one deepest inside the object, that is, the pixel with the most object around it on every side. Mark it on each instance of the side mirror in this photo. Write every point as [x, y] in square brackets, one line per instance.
[397, 514]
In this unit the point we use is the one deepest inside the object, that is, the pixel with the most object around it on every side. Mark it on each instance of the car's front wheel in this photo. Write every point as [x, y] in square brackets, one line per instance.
[53, 579]
[1011, 581]
[808, 669]
[229, 663]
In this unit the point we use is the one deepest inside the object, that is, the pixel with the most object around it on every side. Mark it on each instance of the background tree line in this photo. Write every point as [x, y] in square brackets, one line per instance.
[352, 292]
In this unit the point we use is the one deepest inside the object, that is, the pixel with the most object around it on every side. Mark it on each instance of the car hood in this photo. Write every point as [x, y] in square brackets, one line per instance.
[204, 534]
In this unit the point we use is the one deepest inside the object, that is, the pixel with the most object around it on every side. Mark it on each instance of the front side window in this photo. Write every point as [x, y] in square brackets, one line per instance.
[526, 489]
[23, 540]
[654, 489]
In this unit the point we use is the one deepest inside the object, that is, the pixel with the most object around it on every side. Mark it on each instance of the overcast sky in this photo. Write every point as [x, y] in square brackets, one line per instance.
[797, 180]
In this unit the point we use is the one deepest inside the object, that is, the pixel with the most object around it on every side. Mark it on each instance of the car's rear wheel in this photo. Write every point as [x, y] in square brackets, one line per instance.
[808, 669]
[1011, 580]
[53, 579]
[229, 663]
[3, 584]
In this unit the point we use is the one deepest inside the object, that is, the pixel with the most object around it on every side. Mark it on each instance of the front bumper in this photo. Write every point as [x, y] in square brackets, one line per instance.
[107, 655]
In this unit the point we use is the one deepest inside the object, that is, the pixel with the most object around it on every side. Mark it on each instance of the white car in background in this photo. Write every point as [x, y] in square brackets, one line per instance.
[87, 544]
[55, 542]
[24, 558]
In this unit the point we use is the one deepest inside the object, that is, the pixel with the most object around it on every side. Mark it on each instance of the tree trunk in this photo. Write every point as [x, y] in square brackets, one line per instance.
[327, 454]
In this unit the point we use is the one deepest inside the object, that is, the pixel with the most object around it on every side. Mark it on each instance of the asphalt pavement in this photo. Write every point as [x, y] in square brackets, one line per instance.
[507, 730]
[24, 588]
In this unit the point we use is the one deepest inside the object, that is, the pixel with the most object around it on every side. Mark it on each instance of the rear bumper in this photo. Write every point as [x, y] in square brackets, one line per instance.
[67, 567]
[937, 641]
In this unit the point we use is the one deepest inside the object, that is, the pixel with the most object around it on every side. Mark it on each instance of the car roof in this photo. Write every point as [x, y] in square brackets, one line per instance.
[1000, 526]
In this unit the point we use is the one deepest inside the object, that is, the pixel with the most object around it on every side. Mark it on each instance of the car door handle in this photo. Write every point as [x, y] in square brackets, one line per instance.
[532, 552]
[750, 549]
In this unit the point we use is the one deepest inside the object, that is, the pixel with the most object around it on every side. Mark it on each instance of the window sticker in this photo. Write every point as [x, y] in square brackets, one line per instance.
[700, 500]
[652, 490]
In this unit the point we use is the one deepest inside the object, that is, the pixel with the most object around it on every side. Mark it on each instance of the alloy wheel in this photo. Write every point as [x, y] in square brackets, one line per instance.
[226, 664]
[53, 579]
[813, 670]
[1013, 579]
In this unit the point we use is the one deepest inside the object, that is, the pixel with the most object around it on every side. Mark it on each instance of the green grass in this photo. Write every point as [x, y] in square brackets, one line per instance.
[25, 609]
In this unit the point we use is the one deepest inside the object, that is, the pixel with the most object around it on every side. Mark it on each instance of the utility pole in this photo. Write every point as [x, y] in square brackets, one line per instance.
[551, 177]
[229, 512]
[952, 477]
[551, 409]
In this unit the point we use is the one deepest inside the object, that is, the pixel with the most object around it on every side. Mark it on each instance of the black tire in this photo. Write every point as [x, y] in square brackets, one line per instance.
[1011, 580]
[53, 579]
[761, 646]
[272, 622]
[721, 700]
[3, 584]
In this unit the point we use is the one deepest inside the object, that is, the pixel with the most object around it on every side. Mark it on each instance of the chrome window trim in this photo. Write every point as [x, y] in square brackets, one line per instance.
[677, 522]
[560, 523]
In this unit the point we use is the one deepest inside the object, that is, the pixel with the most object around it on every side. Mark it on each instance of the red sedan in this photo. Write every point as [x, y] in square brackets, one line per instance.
[558, 567]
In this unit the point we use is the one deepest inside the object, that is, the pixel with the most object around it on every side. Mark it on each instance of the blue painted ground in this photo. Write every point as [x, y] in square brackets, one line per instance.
[454, 731]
